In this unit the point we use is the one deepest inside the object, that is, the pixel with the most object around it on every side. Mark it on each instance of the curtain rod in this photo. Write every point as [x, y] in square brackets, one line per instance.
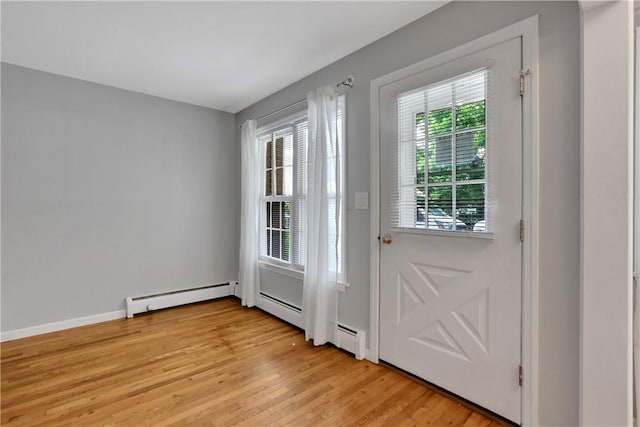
[348, 82]
[281, 109]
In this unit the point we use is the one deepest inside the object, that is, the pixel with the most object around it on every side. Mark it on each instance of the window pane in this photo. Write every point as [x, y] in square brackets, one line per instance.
[420, 126]
[301, 157]
[441, 128]
[288, 149]
[275, 214]
[288, 181]
[421, 207]
[300, 223]
[276, 242]
[286, 215]
[279, 184]
[279, 151]
[439, 121]
[268, 214]
[470, 115]
[286, 241]
[420, 162]
[269, 154]
[269, 251]
[440, 208]
[470, 151]
[439, 158]
[470, 205]
[267, 183]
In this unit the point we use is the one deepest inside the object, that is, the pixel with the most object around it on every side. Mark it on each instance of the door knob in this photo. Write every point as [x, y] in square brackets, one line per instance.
[387, 239]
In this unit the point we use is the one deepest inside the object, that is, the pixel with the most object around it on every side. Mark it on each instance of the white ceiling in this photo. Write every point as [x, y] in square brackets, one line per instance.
[222, 55]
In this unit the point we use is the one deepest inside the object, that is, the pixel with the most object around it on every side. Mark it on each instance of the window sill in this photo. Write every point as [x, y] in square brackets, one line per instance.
[296, 274]
[448, 233]
[285, 271]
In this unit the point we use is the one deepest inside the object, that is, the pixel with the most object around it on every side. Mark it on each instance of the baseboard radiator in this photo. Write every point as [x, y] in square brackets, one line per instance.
[143, 304]
[348, 338]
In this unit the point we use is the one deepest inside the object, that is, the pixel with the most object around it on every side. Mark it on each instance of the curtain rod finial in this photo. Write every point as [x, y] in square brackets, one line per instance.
[348, 82]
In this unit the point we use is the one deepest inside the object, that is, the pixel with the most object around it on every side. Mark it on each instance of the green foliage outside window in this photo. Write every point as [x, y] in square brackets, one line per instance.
[470, 115]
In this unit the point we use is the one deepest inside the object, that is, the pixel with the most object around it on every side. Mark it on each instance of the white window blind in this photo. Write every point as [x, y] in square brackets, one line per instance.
[299, 204]
[441, 174]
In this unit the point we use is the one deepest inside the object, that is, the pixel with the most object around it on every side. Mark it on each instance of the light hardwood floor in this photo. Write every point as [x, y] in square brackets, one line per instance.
[214, 363]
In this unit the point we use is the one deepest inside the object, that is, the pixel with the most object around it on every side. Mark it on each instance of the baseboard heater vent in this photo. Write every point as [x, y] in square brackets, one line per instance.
[350, 339]
[142, 304]
[282, 309]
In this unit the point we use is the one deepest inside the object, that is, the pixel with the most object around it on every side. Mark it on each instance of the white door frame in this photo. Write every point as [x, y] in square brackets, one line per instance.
[528, 30]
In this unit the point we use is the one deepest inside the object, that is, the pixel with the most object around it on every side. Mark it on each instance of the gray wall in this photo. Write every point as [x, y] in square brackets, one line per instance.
[448, 27]
[108, 193]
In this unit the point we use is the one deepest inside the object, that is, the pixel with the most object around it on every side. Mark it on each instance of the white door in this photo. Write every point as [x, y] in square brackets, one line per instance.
[451, 204]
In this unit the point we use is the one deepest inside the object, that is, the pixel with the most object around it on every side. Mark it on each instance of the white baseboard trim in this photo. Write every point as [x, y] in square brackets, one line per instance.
[367, 356]
[61, 325]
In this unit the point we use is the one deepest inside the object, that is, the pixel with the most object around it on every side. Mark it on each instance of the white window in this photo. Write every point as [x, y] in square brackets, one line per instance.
[283, 204]
[283, 183]
[441, 156]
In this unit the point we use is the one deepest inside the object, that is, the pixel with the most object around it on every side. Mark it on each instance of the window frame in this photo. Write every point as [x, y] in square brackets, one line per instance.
[275, 130]
[291, 268]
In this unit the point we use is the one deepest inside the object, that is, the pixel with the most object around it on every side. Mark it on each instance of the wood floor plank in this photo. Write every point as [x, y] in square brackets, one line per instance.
[215, 363]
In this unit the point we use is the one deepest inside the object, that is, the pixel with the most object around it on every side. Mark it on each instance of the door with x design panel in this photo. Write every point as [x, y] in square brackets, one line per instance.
[451, 204]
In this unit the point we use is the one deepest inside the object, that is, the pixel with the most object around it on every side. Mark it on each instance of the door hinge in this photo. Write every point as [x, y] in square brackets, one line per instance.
[523, 74]
[522, 230]
[520, 375]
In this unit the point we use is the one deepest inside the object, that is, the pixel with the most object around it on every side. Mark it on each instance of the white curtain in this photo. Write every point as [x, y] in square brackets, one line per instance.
[636, 348]
[249, 216]
[636, 241]
[319, 296]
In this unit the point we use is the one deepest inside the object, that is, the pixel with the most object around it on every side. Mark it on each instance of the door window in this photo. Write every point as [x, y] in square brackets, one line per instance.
[441, 156]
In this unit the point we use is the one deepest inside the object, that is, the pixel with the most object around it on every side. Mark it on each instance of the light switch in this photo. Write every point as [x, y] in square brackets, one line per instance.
[362, 201]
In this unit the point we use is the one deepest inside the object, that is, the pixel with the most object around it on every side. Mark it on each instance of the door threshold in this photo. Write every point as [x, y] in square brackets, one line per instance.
[464, 402]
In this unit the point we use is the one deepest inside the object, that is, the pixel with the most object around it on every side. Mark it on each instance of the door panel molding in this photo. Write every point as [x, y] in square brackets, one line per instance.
[528, 30]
